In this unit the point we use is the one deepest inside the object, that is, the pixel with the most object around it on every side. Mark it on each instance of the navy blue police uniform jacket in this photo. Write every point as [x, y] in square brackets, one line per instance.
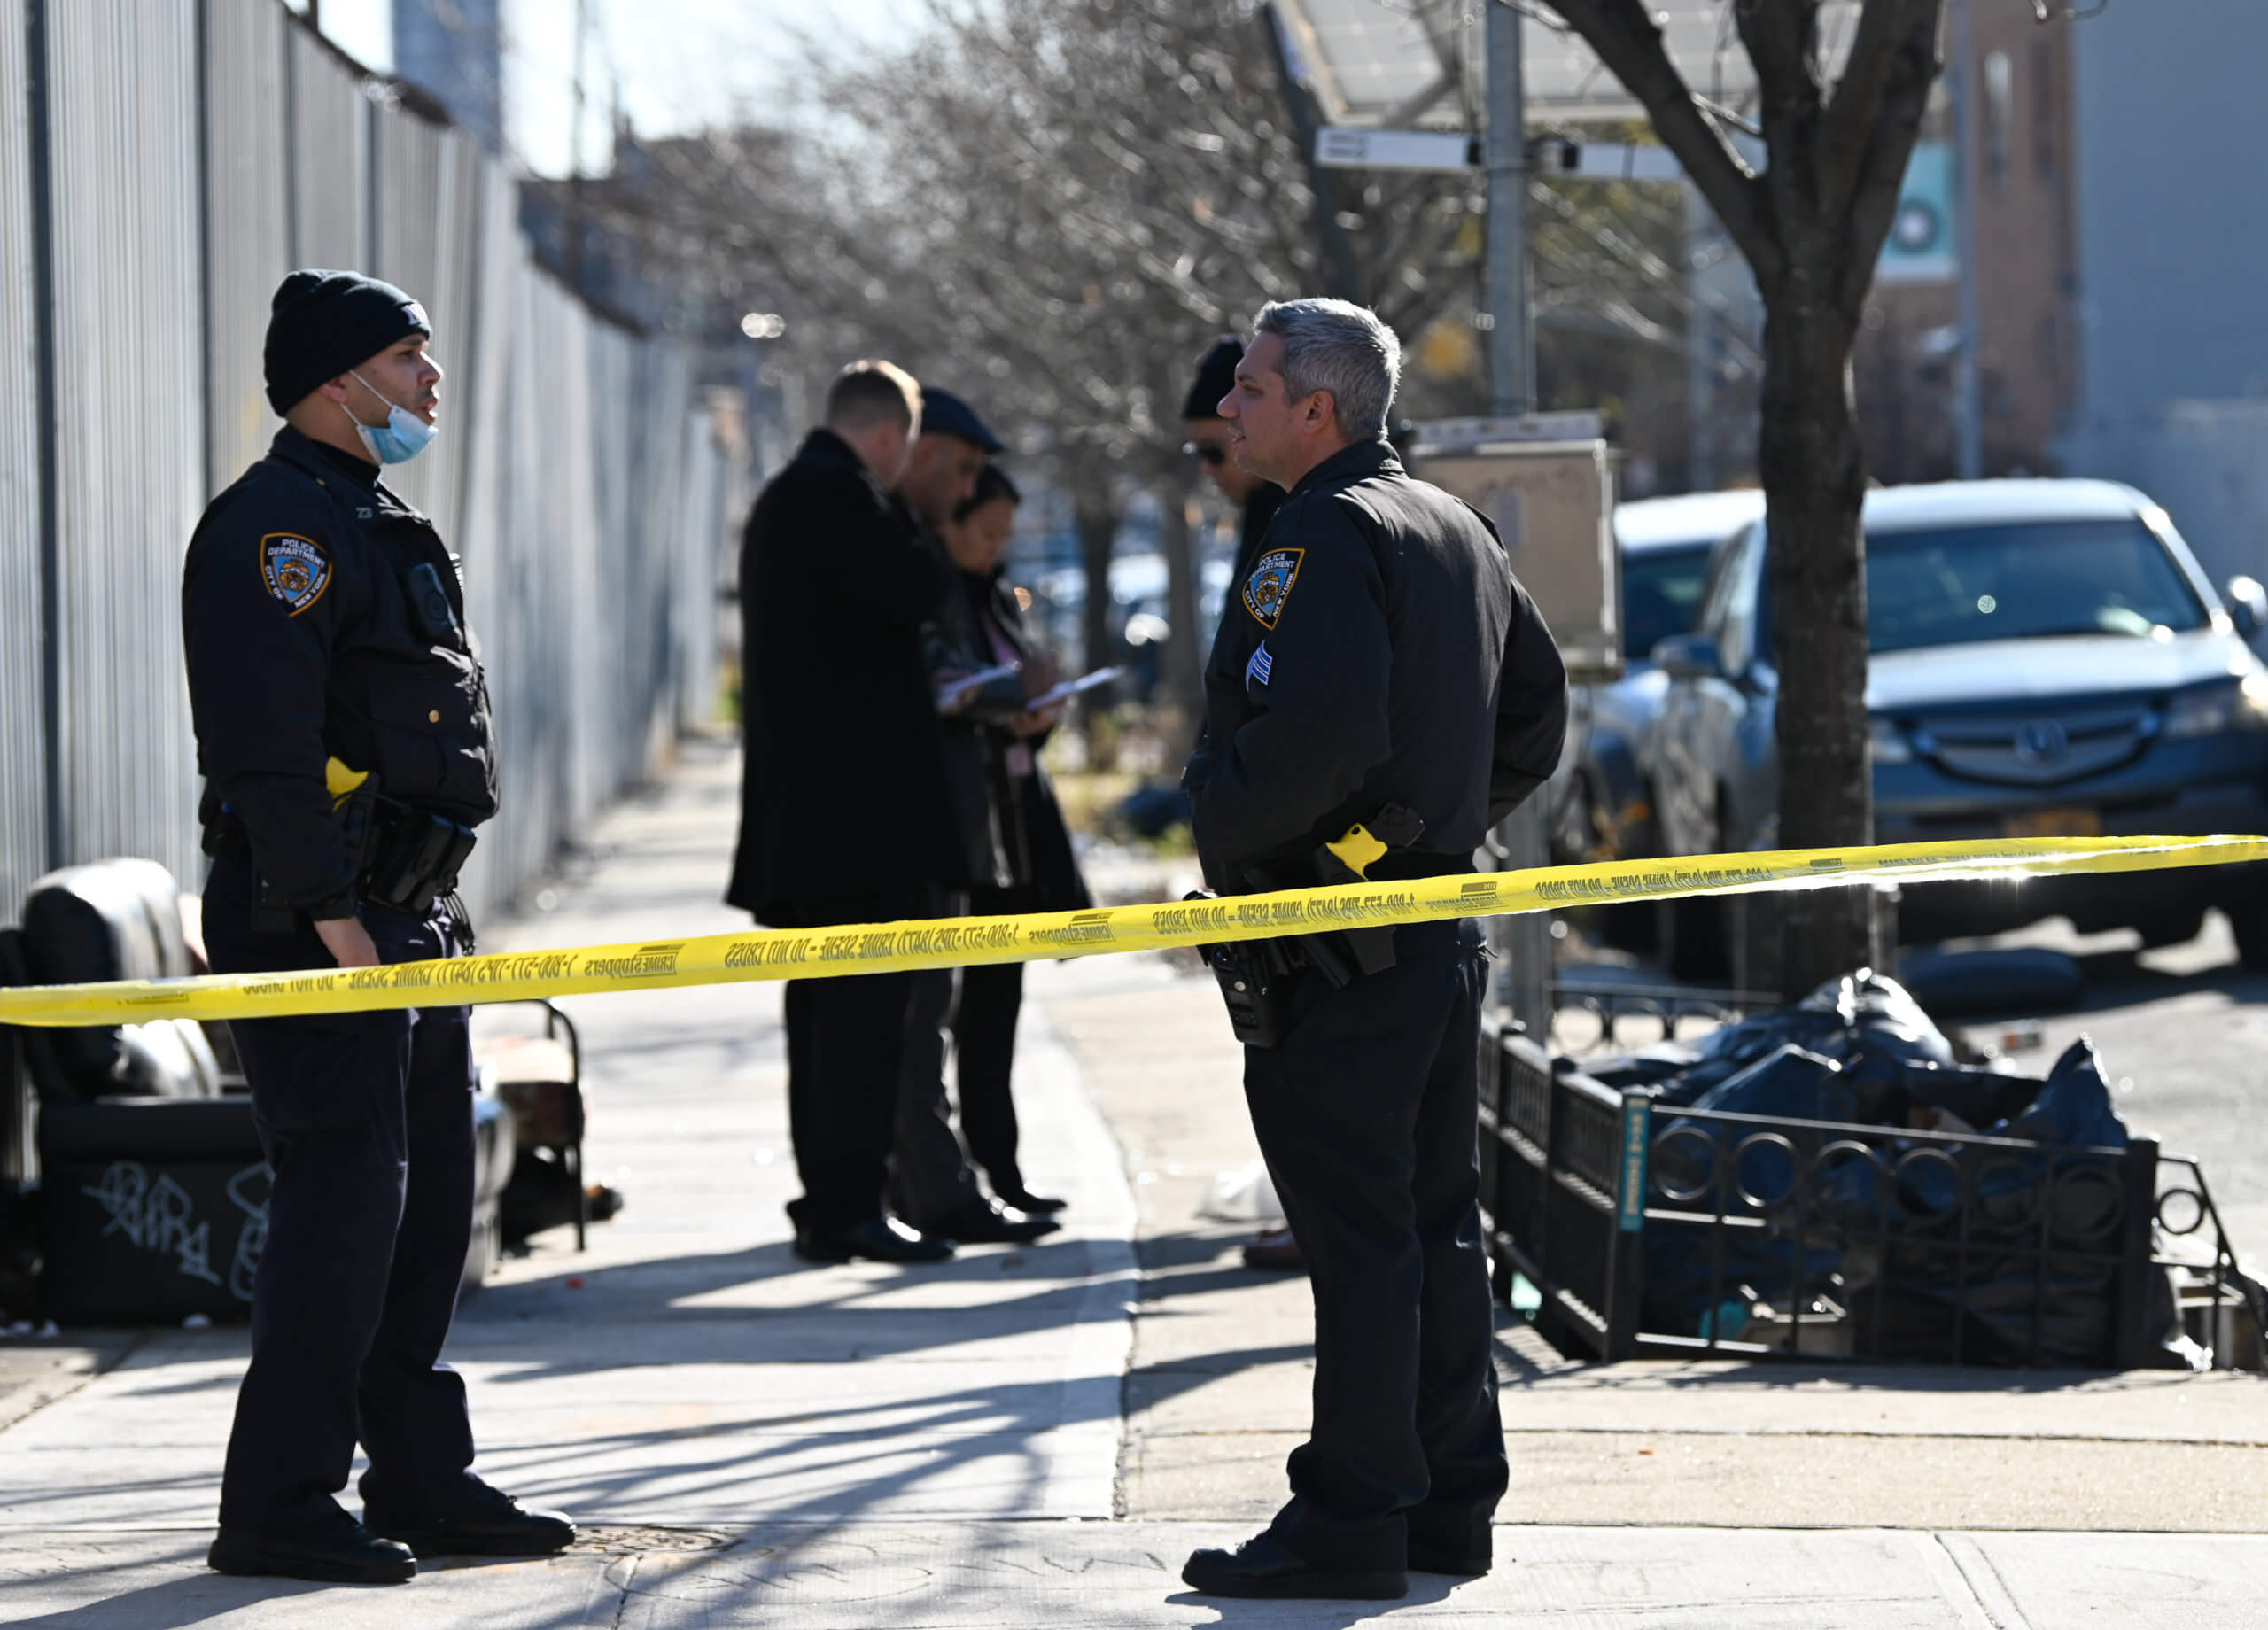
[1378, 650]
[310, 635]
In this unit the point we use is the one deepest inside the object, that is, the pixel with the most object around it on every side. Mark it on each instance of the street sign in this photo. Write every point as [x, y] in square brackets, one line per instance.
[1604, 160]
[1346, 147]
[1338, 147]
[1439, 436]
[1922, 246]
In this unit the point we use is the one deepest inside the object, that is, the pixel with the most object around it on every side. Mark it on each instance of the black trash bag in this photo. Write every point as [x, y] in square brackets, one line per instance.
[1791, 1082]
[1863, 1021]
[1703, 1166]
[2073, 1108]
[1982, 1097]
[2029, 1289]
[1646, 1067]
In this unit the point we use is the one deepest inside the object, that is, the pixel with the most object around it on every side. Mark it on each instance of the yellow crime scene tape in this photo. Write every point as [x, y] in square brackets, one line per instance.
[881, 948]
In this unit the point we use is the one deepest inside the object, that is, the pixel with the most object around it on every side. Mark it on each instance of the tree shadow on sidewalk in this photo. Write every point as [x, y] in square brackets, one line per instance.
[186, 1596]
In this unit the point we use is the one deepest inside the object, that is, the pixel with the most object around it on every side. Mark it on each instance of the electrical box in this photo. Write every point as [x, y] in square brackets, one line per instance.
[1546, 480]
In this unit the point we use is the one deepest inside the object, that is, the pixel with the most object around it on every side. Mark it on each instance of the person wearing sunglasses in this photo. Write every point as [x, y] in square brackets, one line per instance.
[1255, 496]
[1272, 1248]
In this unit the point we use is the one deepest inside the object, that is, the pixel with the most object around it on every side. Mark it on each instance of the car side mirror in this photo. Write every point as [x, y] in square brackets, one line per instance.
[1689, 657]
[2247, 605]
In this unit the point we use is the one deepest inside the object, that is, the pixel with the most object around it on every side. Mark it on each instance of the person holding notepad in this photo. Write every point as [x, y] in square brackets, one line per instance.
[1043, 870]
[980, 693]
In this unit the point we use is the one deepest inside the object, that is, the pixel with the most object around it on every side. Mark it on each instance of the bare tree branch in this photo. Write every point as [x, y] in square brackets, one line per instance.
[1913, 70]
[1630, 43]
[1856, 101]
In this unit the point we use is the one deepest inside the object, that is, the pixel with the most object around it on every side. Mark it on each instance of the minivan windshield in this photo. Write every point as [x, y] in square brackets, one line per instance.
[1965, 586]
[1660, 588]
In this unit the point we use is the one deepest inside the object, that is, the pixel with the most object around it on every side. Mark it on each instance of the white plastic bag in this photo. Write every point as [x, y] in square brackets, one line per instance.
[1244, 1195]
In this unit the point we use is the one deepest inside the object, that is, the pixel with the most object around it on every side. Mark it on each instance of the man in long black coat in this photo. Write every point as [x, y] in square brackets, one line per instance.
[845, 815]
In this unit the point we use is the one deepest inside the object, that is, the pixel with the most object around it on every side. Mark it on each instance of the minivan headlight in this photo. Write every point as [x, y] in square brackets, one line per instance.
[2230, 705]
[1889, 743]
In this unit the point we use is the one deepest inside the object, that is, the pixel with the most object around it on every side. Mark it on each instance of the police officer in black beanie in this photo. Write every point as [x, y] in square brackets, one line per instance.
[343, 730]
[1255, 496]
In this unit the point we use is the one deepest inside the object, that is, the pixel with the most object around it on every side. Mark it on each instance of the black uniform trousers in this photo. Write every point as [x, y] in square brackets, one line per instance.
[846, 1048]
[1368, 1114]
[366, 1122]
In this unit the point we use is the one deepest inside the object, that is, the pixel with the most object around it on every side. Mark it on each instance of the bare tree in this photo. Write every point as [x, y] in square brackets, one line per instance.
[1811, 226]
[1054, 204]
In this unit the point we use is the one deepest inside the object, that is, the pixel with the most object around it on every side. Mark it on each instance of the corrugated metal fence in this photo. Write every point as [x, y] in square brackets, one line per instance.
[163, 163]
[23, 730]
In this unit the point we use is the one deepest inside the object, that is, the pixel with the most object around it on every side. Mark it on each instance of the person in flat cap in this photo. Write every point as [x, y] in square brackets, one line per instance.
[1209, 435]
[343, 731]
[1256, 499]
[932, 1186]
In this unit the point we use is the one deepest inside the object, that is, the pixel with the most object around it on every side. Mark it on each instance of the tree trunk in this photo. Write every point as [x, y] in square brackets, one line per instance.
[1184, 656]
[1095, 513]
[1813, 473]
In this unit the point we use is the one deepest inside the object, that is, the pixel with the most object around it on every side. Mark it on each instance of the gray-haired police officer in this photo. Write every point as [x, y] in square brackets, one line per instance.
[1378, 668]
[342, 727]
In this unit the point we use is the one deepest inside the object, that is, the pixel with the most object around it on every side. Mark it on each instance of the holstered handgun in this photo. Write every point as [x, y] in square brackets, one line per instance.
[414, 859]
[404, 857]
[1255, 979]
[1344, 955]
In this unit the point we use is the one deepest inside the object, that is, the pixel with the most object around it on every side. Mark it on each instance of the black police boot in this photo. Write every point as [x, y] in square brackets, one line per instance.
[1463, 1549]
[1265, 1566]
[330, 1546]
[981, 1223]
[878, 1240]
[465, 1519]
[1423, 1559]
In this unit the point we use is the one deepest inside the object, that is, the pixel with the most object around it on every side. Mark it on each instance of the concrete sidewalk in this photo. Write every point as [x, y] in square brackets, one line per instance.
[1037, 1437]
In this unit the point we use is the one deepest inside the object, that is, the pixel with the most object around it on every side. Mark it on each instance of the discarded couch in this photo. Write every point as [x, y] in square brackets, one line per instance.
[152, 1189]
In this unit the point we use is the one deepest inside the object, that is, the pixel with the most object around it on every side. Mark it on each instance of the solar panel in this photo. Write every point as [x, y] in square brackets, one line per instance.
[1367, 61]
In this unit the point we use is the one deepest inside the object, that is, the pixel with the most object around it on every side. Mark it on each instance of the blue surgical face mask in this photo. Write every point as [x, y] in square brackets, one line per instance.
[400, 439]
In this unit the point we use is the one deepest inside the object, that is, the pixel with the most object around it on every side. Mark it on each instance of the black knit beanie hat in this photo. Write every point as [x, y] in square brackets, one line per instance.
[321, 323]
[1216, 372]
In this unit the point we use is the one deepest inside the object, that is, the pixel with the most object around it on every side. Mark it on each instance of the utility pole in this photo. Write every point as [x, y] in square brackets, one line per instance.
[1511, 341]
[1960, 86]
[1525, 940]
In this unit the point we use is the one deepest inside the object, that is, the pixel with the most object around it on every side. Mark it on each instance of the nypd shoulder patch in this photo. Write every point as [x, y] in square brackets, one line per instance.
[294, 569]
[1269, 585]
